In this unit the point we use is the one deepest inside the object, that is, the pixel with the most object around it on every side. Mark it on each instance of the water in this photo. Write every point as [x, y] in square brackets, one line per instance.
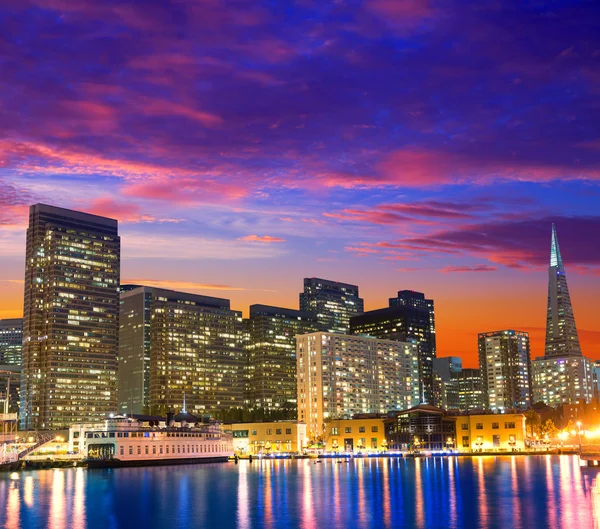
[482, 492]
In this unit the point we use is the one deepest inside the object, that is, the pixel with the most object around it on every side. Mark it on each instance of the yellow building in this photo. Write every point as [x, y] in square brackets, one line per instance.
[490, 433]
[355, 435]
[268, 437]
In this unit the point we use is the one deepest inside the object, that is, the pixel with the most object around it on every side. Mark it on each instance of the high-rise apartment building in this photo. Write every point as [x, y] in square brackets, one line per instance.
[342, 375]
[70, 326]
[409, 318]
[504, 362]
[177, 347]
[332, 303]
[563, 375]
[563, 380]
[272, 383]
[470, 390]
[11, 341]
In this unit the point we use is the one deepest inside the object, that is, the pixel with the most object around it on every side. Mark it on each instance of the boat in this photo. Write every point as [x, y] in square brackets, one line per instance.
[125, 442]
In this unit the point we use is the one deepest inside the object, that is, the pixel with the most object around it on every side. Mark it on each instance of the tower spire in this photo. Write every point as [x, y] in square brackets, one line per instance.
[555, 257]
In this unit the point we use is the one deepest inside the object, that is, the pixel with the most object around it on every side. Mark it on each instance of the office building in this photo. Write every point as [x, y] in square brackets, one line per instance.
[70, 325]
[421, 428]
[268, 438]
[272, 383]
[342, 375]
[447, 367]
[596, 379]
[470, 390]
[179, 351]
[332, 303]
[409, 318]
[491, 433]
[11, 341]
[562, 380]
[504, 362]
[561, 331]
[363, 433]
[562, 375]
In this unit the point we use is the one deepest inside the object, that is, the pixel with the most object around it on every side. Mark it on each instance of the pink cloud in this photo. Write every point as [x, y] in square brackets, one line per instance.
[123, 211]
[261, 238]
[474, 268]
[186, 190]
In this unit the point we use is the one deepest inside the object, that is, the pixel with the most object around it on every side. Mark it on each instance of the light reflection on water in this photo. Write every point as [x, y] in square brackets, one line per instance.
[483, 492]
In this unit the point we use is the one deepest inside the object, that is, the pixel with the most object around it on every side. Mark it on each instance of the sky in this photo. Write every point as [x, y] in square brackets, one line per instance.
[245, 145]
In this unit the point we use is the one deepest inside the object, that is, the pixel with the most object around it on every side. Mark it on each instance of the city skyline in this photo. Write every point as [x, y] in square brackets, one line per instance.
[390, 145]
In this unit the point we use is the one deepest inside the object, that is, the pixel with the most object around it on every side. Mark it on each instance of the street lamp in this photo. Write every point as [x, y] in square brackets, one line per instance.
[579, 434]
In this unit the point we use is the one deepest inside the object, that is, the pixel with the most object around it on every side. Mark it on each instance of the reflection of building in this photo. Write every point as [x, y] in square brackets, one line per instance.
[71, 311]
[341, 375]
[332, 303]
[562, 380]
[272, 381]
[11, 341]
[409, 318]
[423, 427]
[493, 432]
[505, 369]
[563, 375]
[177, 346]
[360, 434]
[268, 437]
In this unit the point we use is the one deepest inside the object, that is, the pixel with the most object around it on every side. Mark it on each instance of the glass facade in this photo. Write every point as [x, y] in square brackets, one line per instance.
[271, 344]
[409, 318]
[11, 341]
[424, 427]
[70, 327]
[196, 353]
[470, 390]
[134, 350]
[332, 303]
[505, 366]
[341, 375]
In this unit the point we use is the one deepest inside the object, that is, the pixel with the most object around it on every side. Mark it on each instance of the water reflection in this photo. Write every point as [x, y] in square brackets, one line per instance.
[479, 493]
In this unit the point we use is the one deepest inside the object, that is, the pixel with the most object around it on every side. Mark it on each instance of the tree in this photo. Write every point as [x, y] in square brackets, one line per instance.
[549, 429]
[532, 421]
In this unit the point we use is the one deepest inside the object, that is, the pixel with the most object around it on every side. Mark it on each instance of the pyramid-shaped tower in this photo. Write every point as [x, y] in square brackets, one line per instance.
[561, 332]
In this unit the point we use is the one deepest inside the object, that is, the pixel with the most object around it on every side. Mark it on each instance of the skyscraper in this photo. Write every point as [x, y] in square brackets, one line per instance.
[11, 344]
[561, 332]
[409, 318]
[332, 303]
[341, 375]
[71, 310]
[563, 375]
[176, 346]
[445, 385]
[11, 341]
[271, 334]
[505, 369]
[470, 390]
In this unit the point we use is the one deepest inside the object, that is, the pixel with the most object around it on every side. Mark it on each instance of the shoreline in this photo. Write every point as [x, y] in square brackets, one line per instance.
[47, 465]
